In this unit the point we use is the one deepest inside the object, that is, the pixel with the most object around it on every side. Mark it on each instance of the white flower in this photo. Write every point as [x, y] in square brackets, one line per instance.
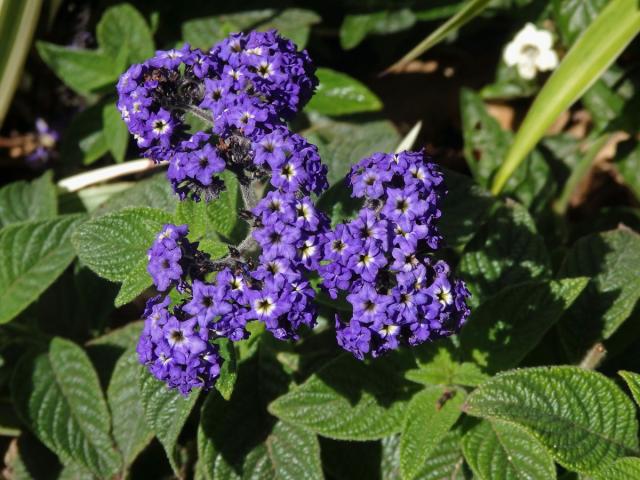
[531, 51]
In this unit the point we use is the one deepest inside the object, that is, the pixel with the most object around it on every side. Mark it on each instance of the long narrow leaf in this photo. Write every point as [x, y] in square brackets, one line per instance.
[18, 20]
[468, 12]
[595, 50]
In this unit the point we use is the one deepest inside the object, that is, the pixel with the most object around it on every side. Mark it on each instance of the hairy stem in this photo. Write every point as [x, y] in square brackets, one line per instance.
[594, 357]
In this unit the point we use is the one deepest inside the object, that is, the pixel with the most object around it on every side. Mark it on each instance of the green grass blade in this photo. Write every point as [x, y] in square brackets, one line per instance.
[594, 51]
[468, 12]
[18, 21]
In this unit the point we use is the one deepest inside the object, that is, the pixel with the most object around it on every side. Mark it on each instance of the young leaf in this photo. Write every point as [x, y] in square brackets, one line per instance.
[22, 201]
[115, 132]
[595, 50]
[442, 370]
[500, 450]
[507, 250]
[622, 469]
[505, 328]
[130, 429]
[114, 244]
[57, 394]
[122, 26]
[347, 400]
[430, 414]
[34, 255]
[580, 416]
[612, 259]
[166, 412]
[633, 382]
[356, 27]
[340, 94]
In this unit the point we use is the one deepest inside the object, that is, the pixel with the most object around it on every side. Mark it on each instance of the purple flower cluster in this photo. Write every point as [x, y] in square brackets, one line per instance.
[177, 349]
[170, 257]
[245, 87]
[381, 260]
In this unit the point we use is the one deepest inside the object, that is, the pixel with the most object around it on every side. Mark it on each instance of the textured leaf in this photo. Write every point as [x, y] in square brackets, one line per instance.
[347, 400]
[580, 416]
[22, 201]
[58, 395]
[166, 412]
[430, 414]
[154, 192]
[115, 132]
[622, 469]
[441, 369]
[629, 167]
[341, 144]
[633, 382]
[130, 429]
[82, 70]
[505, 251]
[123, 27]
[340, 94]
[293, 23]
[136, 282]
[574, 16]
[223, 213]
[114, 244]
[228, 375]
[34, 255]
[613, 260]
[445, 461]
[498, 450]
[293, 453]
[505, 328]
[356, 27]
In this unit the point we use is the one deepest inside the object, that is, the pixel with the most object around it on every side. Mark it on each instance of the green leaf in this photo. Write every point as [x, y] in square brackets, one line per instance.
[505, 251]
[293, 23]
[341, 144]
[58, 395]
[595, 50]
[340, 94]
[612, 259]
[505, 328]
[84, 71]
[115, 132]
[430, 414]
[222, 214]
[445, 461]
[114, 245]
[228, 374]
[293, 452]
[441, 369]
[133, 284]
[18, 22]
[348, 400]
[580, 416]
[498, 450]
[166, 412]
[574, 16]
[130, 429]
[509, 85]
[633, 382]
[629, 167]
[84, 141]
[34, 255]
[622, 469]
[154, 192]
[123, 27]
[22, 201]
[470, 10]
[356, 27]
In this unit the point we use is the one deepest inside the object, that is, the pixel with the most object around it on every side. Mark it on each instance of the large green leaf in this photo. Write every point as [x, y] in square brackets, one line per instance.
[445, 462]
[34, 255]
[505, 251]
[580, 416]
[505, 328]
[347, 400]
[58, 395]
[115, 245]
[123, 27]
[498, 450]
[115, 132]
[468, 11]
[633, 382]
[612, 259]
[622, 469]
[595, 50]
[430, 414]
[18, 22]
[440, 369]
[130, 429]
[22, 201]
[293, 23]
[166, 412]
[356, 27]
[340, 94]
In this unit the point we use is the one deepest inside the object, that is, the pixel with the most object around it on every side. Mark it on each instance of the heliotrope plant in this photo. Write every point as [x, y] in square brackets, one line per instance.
[245, 89]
